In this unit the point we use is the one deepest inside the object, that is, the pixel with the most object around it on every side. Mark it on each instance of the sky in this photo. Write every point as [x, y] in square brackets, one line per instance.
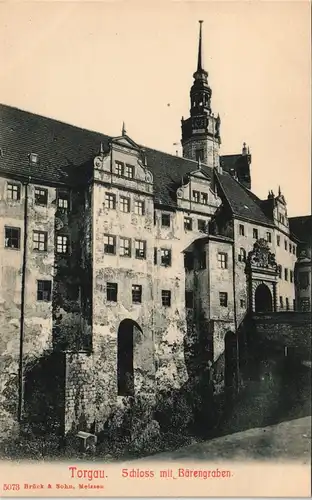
[97, 64]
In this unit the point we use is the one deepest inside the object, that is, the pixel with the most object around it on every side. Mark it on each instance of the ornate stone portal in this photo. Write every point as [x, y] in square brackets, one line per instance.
[262, 271]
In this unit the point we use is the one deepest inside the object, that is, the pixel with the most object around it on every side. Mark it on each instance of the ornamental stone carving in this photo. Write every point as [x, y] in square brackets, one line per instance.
[261, 256]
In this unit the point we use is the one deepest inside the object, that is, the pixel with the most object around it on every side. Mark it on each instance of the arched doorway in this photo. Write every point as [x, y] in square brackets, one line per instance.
[125, 347]
[263, 299]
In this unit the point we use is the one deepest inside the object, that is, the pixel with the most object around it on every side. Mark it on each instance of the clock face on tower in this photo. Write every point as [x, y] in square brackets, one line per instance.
[198, 123]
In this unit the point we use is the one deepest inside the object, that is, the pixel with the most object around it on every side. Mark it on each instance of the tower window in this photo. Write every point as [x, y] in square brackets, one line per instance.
[223, 298]
[62, 244]
[281, 302]
[285, 244]
[112, 292]
[187, 224]
[155, 256]
[279, 269]
[166, 298]
[63, 201]
[269, 238]
[199, 154]
[241, 230]
[286, 274]
[255, 233]
[278, 240]
[189, 299]
[201, 224]
[222, 260]
[136, 294]
[202, 260]
[242, 255]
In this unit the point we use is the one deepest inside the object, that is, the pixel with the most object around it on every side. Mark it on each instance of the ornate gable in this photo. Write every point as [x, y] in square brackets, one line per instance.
[261, 258]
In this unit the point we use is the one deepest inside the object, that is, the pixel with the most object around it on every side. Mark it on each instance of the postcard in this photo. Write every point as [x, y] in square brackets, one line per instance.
[155, 249]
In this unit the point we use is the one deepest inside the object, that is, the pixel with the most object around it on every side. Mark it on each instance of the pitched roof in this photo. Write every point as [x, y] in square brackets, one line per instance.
[242, 202]
[65, 152]
[301, 227]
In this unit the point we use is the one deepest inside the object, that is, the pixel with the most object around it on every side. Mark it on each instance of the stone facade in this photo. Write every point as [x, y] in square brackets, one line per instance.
[122, 278]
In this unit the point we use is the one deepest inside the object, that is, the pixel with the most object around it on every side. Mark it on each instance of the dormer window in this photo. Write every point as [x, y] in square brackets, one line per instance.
[129, 171]
[119, 168]
[63, 201]
[41, 196]
[204, 198]
[196, 196]
[33, 158]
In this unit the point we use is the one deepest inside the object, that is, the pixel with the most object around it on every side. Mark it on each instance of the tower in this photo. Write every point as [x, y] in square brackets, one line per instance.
[201, 131]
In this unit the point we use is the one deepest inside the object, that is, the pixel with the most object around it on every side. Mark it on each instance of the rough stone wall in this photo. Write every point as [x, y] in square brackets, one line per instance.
[38, 315]
[292, 329]
[210, 147]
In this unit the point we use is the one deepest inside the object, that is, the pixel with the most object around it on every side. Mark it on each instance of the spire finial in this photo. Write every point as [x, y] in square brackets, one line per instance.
[123, 132]
[199, 59]
[101, 148]
[279, 191]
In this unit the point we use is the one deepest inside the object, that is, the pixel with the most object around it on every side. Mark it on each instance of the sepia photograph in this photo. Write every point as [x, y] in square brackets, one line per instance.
[155, 248]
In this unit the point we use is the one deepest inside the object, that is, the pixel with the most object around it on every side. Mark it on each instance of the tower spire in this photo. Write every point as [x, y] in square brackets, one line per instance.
[199, 58]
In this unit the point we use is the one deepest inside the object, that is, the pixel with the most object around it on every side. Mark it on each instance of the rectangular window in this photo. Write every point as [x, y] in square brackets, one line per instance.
[223, 297]
[44, 290]
[285, 243]
[286, 274]
[140, 249]
[111, 292]
[63, 201]
[125, 247]
[14, 191]
[303, 280]
[189, 299]
[269, 237]
[41, 196]
[110, 200]
[165, 220]
[242, 303]
[129, 171]
[62, 244]
[281, 302]
[255, 233]
[201, 225]
[40, 240]
[287, 303]
[124, 204]
[139, 207]
[166, 298]
[294, 250]
[305, 304]
[109, 244]
[202, 260]
[136, 294]
[165, 257]
[278, 240]
[12, 237]
[155, 256]
[280, 270]
[291, 276]
[222, 260]
[187, 224]
[241, 230]
[188, 261]
[119, 168]
[204, 198]
[196, 196]
[242, 255]
[199, 154]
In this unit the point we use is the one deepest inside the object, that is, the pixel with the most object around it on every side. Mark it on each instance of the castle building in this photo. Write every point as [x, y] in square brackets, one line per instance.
[123, 267]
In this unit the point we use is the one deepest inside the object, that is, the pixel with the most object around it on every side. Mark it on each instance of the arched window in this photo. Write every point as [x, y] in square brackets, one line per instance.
[125, 342]
[242, 255]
